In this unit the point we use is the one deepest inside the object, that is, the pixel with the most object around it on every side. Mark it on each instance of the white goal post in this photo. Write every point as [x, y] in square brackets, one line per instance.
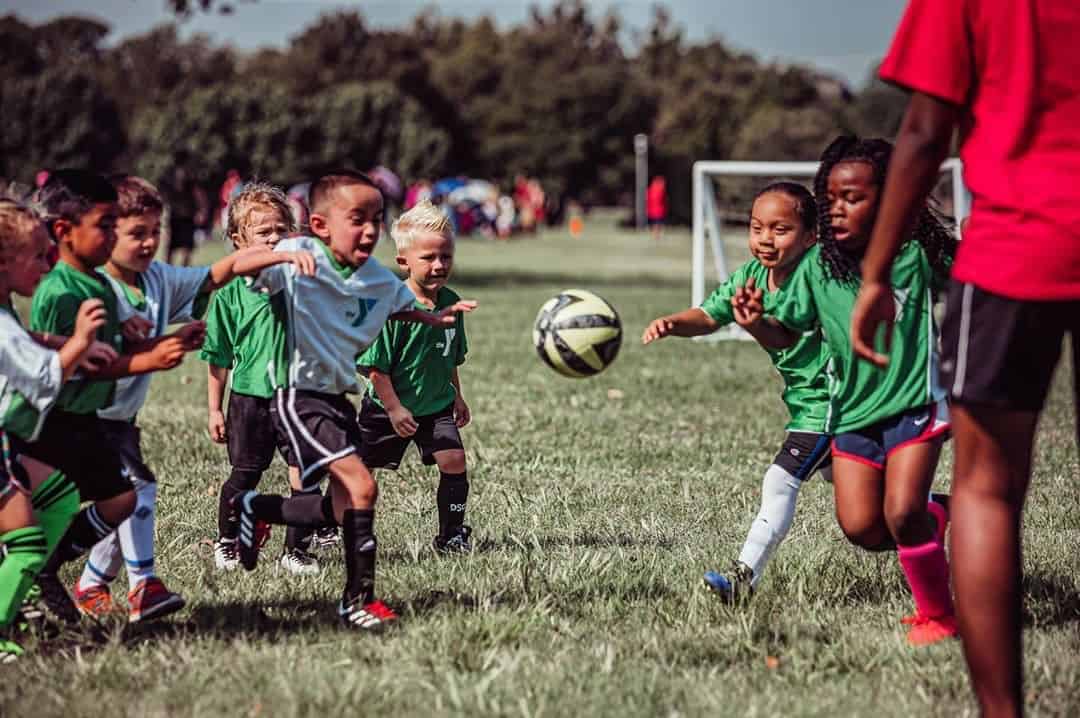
[708, 219]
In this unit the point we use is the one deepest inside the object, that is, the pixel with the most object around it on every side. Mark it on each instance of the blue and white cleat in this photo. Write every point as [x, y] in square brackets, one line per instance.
[253, 533]
[734, 587]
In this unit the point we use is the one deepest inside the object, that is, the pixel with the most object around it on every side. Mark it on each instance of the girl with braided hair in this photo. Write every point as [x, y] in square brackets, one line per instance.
[890, 422]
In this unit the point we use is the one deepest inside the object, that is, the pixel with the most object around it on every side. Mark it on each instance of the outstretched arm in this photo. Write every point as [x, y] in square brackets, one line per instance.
[224, 271]
[921, 146]
[692, 322]
[249, 264]
[446, 317]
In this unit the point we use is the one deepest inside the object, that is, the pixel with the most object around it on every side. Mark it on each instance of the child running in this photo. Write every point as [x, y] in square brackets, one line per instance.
[31, 377]
[244, 333]
[892, 422]
[415, 394]
[162, 295]
[782, 227]
[337, 300]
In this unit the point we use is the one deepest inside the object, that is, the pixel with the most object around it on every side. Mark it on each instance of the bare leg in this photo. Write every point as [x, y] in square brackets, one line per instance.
[908, 476]
[859, 489]
[993, 468]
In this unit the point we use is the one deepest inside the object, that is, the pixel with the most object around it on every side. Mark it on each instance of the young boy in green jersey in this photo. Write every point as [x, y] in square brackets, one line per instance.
[782, 227]
[415, 393]
[337, 301]
[244, 336]
[80, 212]
[34, 510]
[890, 422]
[162, 295]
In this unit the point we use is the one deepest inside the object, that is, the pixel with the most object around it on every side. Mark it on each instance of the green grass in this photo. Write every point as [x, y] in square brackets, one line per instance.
[596, 505]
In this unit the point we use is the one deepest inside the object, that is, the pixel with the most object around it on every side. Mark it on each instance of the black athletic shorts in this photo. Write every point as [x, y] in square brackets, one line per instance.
[803, 453]
[13, 476]
[383, 448]
[1001, 352]
[252, 435]
[320, 429]
[77, 445]
[125, 437]
[181, 233]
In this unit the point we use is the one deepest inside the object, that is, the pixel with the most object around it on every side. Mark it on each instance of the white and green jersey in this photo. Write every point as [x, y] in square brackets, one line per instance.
[333, 316]
[166, 295]
[30, 378]
[863, 393]
[805, 367]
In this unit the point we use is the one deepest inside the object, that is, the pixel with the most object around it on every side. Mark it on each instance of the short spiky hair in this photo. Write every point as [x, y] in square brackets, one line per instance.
[325, 184]
[69, 194]
[423, 218]
[136, 196]
[17, 223]
[256, 195]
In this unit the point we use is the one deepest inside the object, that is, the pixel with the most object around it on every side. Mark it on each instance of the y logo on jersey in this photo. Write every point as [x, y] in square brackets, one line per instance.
[363, 306]
[900, 296]
[449, 341]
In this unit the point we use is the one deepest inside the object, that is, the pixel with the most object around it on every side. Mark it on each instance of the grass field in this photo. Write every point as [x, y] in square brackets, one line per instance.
[596, 505]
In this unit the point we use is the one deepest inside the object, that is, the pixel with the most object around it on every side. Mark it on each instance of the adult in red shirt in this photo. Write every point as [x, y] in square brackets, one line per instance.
[656, 205]
[1007, 74]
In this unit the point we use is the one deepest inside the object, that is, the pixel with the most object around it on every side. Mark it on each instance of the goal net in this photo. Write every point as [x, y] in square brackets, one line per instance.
[721, 196]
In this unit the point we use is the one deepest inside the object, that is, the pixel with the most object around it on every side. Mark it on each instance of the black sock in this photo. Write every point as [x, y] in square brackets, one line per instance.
[86, 530]
[302, 510]
[359, 546]
[237, 483]
[298, 537]
[451, 497]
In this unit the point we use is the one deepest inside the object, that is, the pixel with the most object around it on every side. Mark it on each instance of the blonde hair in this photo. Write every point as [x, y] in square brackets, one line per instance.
[423, 218]
[257, 195]
[17, 224]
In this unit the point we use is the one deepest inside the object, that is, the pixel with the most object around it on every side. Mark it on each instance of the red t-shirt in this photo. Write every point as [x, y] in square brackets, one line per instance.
[656, 200]
[1014, 66]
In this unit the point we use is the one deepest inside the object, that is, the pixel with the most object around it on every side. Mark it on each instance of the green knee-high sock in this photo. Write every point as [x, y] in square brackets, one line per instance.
[55, 502]
[23, 555]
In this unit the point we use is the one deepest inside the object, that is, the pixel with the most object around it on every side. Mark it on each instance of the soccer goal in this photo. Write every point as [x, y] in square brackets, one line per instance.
[711, 203]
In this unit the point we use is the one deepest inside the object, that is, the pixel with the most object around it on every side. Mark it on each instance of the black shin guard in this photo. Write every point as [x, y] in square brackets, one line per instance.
[237, 483]
[451, 497]
[86, 530]
[307, 511]
[299, 537]
[360, 546]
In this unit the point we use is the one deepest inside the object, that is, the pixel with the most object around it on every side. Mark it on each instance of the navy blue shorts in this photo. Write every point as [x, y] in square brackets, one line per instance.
[873, 444]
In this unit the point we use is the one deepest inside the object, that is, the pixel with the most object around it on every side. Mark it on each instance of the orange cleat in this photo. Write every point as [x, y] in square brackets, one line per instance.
[925, 630]
[95, 601]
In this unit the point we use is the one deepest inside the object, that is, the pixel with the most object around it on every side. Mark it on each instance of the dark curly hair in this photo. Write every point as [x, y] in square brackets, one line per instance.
[804, 201]
[929, 230]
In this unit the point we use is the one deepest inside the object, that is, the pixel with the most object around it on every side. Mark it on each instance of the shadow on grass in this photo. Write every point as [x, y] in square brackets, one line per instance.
[512, 278]
[580, 540]
[1050, 600]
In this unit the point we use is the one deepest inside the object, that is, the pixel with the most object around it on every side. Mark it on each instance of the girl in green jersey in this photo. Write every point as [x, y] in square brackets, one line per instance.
[892, 422]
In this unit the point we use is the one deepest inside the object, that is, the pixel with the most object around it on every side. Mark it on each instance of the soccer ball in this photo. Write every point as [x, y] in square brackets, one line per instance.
[577, 333]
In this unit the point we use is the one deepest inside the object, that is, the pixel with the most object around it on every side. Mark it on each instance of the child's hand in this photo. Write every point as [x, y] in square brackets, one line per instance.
[136, 329]
[403, 422]
[192, 334]
[303, 261]
[447, 316]
[168, 353]
[462, 417]
[98, 356]
[216, 426]
[90, 317]
[658, 329]
[748, 304]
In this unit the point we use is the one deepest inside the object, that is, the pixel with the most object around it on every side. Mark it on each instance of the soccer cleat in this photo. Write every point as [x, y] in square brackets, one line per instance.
[925, 630]
[734, 587]
[373, 616]
[226, 556]
[55, 603]
[150, 599]
[299, 562]
[95, 601]
[457, 542]
[253, 533]
[326, 538]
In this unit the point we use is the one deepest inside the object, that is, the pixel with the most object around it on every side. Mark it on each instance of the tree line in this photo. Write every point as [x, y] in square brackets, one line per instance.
[558, 97]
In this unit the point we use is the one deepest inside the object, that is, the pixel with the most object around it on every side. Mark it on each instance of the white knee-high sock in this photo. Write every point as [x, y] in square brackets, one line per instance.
[103, 563]
[137, 534]
[779, 493]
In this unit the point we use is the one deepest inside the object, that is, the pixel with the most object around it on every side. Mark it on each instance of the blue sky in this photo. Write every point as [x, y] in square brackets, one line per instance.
[842, 36]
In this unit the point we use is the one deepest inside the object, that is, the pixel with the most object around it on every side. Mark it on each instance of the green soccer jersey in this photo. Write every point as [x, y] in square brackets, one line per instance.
[863, 393]
[420, 359]
[245, 333]
[805, 368]
[53, 310]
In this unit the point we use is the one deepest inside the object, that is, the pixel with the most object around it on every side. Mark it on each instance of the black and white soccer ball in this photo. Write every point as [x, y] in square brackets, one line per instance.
[577, 333]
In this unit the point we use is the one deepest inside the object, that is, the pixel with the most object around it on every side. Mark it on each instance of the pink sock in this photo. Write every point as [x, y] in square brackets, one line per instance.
[927, 573]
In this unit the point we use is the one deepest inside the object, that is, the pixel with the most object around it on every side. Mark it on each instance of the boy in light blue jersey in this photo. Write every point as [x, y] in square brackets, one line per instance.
[337, 300]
